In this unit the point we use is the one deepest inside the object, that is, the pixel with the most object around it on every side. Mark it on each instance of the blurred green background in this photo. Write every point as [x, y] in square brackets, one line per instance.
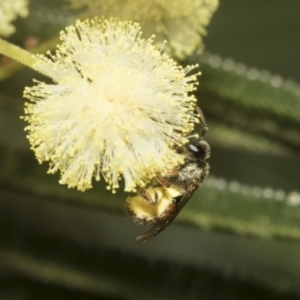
[238, 237]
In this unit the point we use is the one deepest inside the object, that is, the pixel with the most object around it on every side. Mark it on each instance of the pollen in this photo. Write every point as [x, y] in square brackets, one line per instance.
[117, 108]
[9, 11]
[181, 22]
[145, 213]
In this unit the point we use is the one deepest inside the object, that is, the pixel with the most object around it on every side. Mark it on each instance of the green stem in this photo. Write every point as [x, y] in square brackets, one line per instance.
[22, 56]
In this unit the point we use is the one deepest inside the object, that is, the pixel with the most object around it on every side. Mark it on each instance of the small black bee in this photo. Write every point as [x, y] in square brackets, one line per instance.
[160, 204]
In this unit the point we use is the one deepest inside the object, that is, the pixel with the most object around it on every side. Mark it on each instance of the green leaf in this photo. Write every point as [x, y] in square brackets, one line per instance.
[247, 98]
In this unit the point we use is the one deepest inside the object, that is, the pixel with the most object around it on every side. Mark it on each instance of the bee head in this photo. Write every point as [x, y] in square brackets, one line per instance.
[198, 150]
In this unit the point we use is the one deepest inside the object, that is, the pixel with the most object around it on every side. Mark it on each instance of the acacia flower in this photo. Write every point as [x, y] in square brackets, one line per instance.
[118, 107]
[181, 22]
[9, 10]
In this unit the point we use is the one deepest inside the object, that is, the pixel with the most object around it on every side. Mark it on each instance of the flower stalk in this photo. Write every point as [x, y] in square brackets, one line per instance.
[16, 53]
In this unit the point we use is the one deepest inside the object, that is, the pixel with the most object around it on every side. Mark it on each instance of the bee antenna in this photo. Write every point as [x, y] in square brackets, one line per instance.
[202, 121]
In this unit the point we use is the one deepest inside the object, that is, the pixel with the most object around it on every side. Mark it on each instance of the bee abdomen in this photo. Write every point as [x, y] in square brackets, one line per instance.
[144, 213]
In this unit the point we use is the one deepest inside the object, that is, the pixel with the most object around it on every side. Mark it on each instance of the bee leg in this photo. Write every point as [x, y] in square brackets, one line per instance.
[144, 194]
[163, 181]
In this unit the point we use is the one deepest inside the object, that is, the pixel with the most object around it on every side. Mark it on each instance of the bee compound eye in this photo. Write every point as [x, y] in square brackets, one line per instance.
[196, 150]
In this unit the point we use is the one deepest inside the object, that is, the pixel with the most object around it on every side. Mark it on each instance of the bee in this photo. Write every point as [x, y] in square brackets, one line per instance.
[160, 203]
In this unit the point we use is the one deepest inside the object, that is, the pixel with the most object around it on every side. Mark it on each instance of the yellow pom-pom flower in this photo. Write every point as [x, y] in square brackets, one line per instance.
[181, 22]
[118, 109]
[9, 10]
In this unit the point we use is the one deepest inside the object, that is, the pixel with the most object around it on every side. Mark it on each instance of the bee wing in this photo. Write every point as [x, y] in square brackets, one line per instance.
[155, 230]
